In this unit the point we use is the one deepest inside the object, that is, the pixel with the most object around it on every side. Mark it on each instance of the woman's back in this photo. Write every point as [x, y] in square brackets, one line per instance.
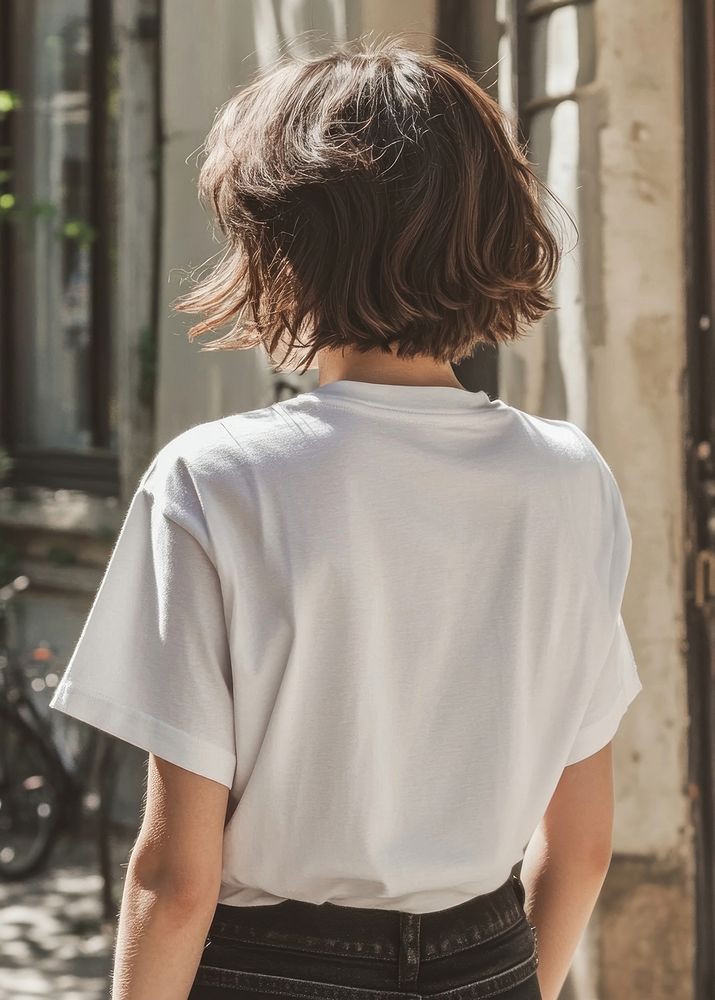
[395, 609]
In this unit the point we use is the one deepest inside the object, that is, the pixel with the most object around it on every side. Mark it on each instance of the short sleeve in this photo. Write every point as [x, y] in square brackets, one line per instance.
[152, 664]
[617, 685]
[615, 681]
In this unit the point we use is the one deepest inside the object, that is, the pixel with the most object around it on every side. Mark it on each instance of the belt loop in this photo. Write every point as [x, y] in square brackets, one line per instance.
[519, 888]
[409, 961]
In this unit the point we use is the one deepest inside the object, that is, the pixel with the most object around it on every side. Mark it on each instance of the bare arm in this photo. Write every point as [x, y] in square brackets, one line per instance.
[172, 885]
[566, 863]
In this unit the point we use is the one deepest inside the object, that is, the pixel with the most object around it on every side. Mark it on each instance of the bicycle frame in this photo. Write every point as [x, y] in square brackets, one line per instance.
[17, 698]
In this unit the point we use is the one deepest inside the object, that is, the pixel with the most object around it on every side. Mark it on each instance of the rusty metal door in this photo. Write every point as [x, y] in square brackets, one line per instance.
[699, 391]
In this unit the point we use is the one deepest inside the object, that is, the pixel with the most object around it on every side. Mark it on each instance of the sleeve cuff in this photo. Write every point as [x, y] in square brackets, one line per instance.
[147, 733]
[595, 736]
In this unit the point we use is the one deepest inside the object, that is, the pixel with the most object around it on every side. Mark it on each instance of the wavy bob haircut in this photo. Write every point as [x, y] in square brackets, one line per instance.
[373, 197]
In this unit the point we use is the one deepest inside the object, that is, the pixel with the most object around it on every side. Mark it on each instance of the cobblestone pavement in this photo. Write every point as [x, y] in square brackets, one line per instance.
[53, 940]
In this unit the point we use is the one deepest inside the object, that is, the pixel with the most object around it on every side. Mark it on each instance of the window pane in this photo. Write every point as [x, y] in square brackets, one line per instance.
[562, 51]
[556, 149]
[51, 180]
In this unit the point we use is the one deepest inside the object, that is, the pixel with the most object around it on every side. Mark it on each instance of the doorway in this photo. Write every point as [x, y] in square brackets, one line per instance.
[699, 396]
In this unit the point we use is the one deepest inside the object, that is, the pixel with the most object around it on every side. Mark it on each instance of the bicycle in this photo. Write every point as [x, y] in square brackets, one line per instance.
[43, 789]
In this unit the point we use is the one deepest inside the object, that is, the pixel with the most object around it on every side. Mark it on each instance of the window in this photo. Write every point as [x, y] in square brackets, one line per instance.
[58, 416]
[547, 58]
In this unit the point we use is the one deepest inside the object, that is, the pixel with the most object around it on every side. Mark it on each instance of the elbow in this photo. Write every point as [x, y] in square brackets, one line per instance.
[175, 886]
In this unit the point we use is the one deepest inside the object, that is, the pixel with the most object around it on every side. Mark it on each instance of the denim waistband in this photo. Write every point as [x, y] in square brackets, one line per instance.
[373, 933]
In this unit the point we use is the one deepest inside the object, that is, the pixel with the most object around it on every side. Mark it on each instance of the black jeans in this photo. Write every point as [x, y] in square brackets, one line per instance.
[485, 947]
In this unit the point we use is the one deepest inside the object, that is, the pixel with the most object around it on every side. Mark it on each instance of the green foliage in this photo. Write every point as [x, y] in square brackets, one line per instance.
[9, 101]
[43, 209]
[71, 229]
[75, 229]
[13, 210]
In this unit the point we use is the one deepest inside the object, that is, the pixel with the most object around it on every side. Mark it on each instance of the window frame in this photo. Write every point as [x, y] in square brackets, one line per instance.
[522, 15]
[93, 470]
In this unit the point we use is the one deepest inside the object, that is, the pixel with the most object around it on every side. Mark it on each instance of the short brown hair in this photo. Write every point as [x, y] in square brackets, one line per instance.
[373, 197]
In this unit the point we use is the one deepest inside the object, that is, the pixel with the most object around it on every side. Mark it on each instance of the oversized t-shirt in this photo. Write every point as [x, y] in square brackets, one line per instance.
[386, 617]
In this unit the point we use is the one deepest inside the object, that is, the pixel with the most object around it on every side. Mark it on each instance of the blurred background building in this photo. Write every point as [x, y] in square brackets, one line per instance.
[103, 108]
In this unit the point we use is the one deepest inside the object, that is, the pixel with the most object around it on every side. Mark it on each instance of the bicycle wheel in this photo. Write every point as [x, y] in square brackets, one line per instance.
[29, 799]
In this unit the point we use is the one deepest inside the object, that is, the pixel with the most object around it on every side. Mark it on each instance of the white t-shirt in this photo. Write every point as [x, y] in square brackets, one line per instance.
[385, 616]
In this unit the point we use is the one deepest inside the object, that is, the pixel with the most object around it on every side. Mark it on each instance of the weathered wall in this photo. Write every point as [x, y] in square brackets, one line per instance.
[612, 360]
[637, 414]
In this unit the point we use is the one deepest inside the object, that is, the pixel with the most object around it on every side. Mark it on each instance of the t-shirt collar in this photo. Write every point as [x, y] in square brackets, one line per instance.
[408, 397]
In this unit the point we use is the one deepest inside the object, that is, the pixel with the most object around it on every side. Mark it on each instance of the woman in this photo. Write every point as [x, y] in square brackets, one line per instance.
[371, 636]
